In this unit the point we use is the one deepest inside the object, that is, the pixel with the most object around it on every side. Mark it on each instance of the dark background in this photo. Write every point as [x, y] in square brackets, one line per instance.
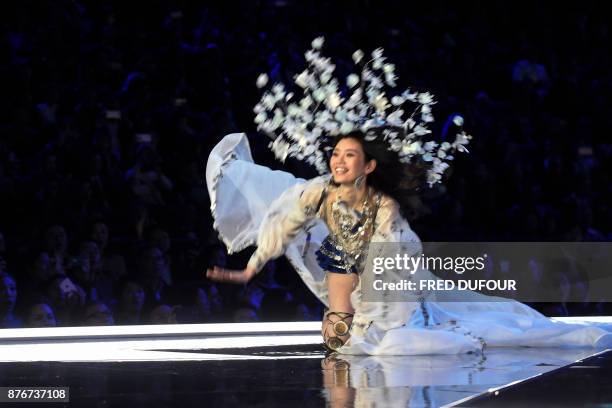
[532, 79]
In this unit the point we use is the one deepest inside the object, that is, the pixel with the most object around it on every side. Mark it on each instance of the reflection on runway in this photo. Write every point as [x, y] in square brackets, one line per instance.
[432, 381]
[280, 364]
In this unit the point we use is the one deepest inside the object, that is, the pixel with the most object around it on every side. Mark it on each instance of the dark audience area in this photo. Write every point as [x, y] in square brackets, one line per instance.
[109, 110]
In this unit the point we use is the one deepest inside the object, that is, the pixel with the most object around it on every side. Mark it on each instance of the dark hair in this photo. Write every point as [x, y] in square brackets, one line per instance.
[403, 182]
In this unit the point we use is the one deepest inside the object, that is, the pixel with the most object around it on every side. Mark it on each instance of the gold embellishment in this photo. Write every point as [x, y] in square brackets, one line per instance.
[334, 343]
[340, 328]
[350, 230]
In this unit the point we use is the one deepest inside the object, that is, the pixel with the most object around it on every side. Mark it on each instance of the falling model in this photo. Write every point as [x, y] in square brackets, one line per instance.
[369, 147]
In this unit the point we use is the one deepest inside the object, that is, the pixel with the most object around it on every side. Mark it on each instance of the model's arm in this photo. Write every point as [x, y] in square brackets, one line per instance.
[285, 218]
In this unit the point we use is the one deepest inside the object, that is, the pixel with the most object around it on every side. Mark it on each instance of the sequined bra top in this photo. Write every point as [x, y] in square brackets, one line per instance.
[345, 248]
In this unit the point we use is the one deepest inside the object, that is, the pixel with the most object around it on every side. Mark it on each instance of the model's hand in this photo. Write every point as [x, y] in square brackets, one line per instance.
[230, 275]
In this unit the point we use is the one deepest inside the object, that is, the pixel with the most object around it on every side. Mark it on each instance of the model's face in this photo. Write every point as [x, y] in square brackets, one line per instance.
[348, 161]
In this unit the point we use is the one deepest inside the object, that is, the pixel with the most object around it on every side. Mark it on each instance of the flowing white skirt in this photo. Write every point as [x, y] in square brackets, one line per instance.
[241, 194]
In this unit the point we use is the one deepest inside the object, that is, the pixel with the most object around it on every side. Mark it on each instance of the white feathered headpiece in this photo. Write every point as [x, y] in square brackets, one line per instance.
[305, 129]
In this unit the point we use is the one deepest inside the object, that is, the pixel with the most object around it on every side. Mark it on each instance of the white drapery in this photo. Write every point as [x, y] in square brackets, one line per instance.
[253, 205]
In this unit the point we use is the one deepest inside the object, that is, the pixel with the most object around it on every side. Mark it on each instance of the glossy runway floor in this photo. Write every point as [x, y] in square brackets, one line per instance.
[282, 364]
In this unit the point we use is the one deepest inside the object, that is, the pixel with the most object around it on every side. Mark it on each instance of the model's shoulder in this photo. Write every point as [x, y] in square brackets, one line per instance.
[317, 184]
[388, 203]
[314, 188]
[323, 180]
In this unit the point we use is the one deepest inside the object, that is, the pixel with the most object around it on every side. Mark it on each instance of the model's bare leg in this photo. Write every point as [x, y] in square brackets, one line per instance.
[340, 287]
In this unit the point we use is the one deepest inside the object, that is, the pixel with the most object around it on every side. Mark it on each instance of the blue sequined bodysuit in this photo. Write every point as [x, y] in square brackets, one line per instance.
[344, 249]
[332, 258]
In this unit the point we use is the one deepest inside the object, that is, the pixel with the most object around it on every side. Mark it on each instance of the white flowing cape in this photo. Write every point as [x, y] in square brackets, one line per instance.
[253, 205]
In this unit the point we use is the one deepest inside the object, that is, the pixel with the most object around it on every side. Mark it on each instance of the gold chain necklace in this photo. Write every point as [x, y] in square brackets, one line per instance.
[352, 227]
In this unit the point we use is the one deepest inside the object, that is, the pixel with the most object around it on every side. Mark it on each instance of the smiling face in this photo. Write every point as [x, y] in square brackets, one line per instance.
[348, 161]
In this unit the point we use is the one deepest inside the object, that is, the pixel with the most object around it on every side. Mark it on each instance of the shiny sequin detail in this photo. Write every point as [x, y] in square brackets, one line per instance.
[345, 248]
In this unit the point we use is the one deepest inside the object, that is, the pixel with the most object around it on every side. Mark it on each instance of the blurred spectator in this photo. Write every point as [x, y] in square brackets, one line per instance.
[38, 273]
[2, 254]
[86, 270]
[113, 265]
[41, 315]
[195, 305]
[56, 245]
[97, 314]
[146, 178]
[304, 314]
[160, 239]
[8, 299]
[132, 297]
[66, 299]
[245, 314]
[40, 268]
[163, 314]
[215, 300]
[152, 269]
